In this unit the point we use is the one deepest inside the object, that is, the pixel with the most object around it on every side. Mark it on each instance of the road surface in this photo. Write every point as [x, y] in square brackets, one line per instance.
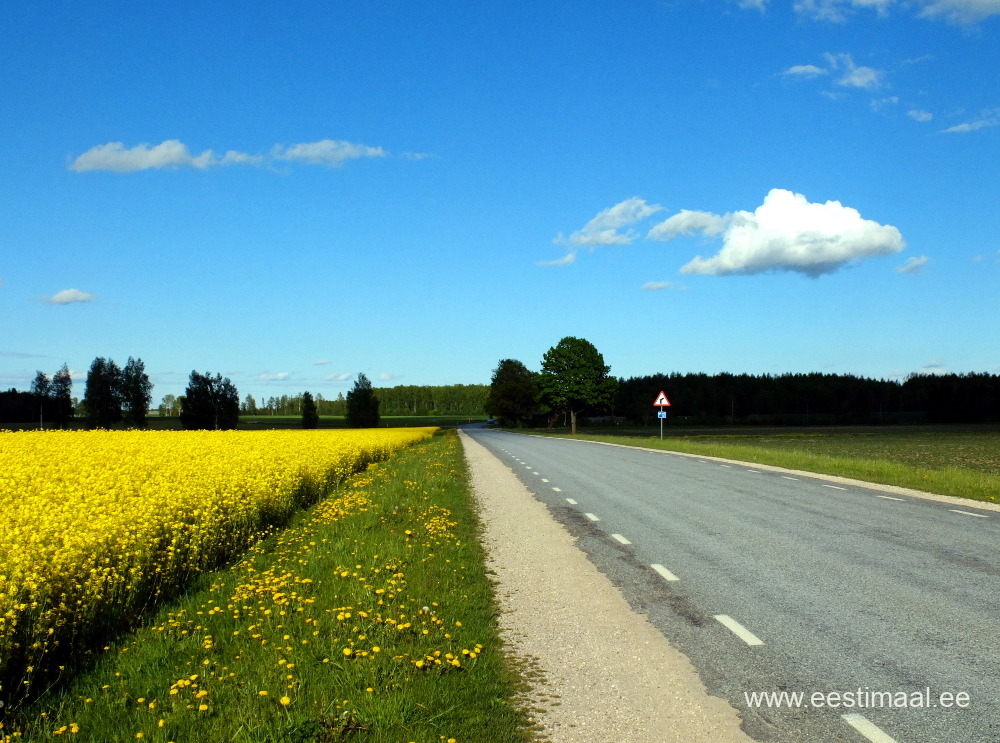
[878, 615]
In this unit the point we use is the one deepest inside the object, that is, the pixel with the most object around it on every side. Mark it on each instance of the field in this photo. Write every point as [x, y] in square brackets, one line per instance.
[963, 461]
[363, 616]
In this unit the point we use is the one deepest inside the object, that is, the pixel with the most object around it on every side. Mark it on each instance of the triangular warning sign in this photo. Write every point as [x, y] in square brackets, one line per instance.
[662, 400]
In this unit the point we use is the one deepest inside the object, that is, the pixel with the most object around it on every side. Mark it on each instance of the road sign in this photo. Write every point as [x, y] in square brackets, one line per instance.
[662, 414]
[662, 400]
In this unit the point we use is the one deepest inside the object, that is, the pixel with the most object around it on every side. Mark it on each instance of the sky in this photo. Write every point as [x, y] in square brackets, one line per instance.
[294, 193]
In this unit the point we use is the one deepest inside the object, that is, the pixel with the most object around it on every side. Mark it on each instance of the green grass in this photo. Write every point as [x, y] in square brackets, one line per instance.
[963, 463]
[342, 626]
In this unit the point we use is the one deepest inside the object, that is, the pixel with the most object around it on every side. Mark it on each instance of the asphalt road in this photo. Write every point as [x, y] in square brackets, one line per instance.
[883, 611]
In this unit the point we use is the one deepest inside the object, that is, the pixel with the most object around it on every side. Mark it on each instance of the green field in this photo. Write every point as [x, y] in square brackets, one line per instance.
[370, 618]
[960, 461]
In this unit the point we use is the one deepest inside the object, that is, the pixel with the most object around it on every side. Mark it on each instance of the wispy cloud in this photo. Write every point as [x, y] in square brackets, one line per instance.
[70, 296]
[173, 154]
[913, 264]
[960, 12]
[988, 118]
[920, 115]
[804, 71]
[606, 228]
[338, 377]
[659, 286]
[321, 362]
[854, 75]
[269, 377]
[786, 232]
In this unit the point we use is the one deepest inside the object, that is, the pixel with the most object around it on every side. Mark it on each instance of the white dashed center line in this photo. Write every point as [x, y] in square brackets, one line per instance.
[558, 490]
[619, 538]
[789, 478]
[867, 728]
[591, 516]
[969, 513]
[835, 487]
[667, 575]
[739, 630]
[571, 501]
[889, 497]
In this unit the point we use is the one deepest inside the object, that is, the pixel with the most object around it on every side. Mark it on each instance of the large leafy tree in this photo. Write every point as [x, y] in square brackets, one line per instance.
[513, 396]
[362, 404]
[310, 415]
[102, 399]
[41, 389]
[574, 378]
[137, 392]
[210, 403]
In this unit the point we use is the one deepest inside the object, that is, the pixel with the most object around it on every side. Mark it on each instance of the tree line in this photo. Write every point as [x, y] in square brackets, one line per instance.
[451, 400]
[575, 381]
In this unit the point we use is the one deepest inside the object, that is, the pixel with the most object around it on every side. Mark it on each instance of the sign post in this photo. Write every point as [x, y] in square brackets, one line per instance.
[661, 402]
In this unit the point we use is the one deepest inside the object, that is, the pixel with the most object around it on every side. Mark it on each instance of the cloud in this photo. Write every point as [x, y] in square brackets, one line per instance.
[321, 362]
[330, 152]
[854, 76]
[604, 229]
[787, 232]
[172, 154]
[279, 377]
[21, 355]
[687, 222]
[70, 296]
[913, 264]
[338, 377]
[387, 377]
[986, 119]
[570, 257]
[918, 115]
[658, 286]
[804, 71]
[959, 12]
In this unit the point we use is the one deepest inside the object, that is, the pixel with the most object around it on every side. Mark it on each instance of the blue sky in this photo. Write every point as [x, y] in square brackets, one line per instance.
[293, 193]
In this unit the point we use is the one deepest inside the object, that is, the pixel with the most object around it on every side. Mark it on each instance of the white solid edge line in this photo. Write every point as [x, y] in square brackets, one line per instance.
[571, 501]
[739, 630]
[867, 728]
[667, 575]
[591, 516]
[969, 513]
[620, 538]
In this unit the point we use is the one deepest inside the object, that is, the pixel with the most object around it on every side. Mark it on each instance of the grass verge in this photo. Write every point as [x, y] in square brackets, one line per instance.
[963, 482]
[371, 617]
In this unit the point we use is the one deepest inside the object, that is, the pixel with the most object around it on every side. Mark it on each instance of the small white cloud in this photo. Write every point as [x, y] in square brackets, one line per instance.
[330, 152]
[913, 264]
[604, 229]
[658, 286]
[687, 222]
[933, 368]
[918, 115]
[387, 377]
[760, 5]
[115, 157]
[279, 377]
[570, 257]
[804, 71]
[787, 232]
[174, 154]
[855, 76]
[986, 119]
[70, 296]
[321, 362]
[961, 12]
[338, 377]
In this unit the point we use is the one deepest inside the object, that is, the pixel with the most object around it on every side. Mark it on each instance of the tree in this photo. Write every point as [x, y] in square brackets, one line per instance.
[250, 405]
[210, 403]
[102, 398]
[310, 416]
[41, 389]
[362, 405]
[513, 393]
[169, 405]
[60, 393]
[137, 392]
[575, 378]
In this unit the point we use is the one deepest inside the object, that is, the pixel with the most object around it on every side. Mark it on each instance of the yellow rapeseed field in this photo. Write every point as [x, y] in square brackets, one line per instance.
[98, 525]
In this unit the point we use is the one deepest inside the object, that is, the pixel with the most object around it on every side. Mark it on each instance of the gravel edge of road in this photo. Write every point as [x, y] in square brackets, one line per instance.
[598, 669]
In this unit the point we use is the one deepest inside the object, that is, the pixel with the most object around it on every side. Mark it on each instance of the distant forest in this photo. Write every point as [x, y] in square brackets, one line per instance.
[452, 399]
[812, 399]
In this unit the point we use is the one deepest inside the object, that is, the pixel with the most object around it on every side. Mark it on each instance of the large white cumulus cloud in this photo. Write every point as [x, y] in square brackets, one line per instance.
[786, 232]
